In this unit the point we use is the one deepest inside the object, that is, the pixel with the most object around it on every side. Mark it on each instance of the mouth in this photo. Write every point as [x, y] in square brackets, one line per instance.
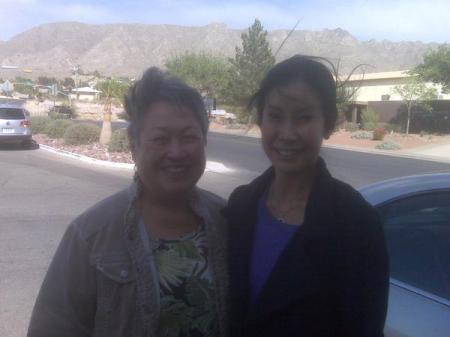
[175, 169]
[288, 152]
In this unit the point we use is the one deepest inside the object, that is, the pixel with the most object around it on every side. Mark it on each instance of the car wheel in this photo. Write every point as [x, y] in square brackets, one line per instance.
[26, 144]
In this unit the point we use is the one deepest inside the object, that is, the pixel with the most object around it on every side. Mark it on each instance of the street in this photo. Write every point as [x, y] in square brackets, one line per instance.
[42, 192]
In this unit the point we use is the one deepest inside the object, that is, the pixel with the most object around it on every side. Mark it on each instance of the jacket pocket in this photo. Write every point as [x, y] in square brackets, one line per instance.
[116, 296]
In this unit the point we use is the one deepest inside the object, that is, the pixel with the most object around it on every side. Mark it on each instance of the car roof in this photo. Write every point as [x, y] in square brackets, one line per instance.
[10, 106]
[393, 188]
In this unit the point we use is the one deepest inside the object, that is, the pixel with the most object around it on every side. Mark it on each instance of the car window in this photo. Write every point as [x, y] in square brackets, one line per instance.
[11, 113]
[417, 232]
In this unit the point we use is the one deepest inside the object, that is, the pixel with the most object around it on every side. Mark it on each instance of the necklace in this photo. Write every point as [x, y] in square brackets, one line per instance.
[280, 211]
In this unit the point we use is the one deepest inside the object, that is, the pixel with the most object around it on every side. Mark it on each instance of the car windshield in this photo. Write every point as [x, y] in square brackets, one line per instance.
[11, 113]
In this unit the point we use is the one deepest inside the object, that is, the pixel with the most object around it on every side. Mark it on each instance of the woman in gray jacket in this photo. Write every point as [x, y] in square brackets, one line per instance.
[150, 260]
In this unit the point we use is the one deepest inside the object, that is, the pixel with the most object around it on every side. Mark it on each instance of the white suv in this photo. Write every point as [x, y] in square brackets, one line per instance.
[14, 125]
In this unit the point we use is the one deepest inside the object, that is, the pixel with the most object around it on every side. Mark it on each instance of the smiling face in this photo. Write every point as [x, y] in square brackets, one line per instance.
[170, 155]
[292, 127]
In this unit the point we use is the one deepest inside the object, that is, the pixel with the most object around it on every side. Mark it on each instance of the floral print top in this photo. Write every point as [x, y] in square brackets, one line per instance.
[188, 306]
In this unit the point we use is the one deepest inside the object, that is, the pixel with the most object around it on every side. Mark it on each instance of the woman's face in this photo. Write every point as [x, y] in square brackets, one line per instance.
[170, 156]
[292, 127]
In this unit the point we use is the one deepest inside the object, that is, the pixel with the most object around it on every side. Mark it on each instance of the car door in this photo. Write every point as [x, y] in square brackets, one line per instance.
[417, 229]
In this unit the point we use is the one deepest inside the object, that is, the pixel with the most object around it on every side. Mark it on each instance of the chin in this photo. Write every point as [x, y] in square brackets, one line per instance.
[292, 167]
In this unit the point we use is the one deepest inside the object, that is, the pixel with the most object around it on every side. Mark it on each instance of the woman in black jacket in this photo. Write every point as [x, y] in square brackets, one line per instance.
[307, 255]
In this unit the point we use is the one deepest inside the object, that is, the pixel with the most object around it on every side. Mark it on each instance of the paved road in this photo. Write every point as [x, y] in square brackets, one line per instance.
[40, 193]
[356, 168]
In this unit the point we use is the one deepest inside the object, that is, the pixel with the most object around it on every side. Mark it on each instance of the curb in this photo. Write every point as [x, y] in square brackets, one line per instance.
[86, 158]
[211, 166]
[391, 154]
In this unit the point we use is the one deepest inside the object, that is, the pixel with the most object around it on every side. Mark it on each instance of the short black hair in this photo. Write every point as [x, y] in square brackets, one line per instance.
[301, 68]
[156, 86]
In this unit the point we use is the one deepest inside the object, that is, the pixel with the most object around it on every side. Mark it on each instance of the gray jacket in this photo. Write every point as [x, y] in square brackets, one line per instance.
[102, 280]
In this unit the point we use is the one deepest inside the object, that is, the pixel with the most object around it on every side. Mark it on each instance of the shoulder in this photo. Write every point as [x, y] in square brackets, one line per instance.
[245, 195]
[211, 199]
[358, 221]
[107, 212]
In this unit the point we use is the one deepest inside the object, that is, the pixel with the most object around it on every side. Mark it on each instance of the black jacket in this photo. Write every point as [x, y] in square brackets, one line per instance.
[332, 278]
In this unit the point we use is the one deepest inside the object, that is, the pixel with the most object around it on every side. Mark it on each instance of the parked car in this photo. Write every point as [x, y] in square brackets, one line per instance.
[61, 111]
[14, 125]
[415, 212]
[222, 114]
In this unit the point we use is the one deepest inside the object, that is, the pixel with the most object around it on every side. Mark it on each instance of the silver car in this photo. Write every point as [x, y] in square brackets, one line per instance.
[14, 124]
[416, 216]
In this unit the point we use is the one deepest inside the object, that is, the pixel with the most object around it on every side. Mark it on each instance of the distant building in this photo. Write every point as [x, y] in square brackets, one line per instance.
[85, 94]
[376, 91]
[380, 86]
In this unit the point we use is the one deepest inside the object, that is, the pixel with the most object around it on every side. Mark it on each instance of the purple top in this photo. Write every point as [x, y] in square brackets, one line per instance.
[270, 238]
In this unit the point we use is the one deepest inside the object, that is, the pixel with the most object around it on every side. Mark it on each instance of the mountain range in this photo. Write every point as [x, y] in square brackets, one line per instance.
[127, 49]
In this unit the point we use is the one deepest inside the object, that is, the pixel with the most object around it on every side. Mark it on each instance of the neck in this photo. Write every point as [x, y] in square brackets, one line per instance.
[159, 200]
[289, 186]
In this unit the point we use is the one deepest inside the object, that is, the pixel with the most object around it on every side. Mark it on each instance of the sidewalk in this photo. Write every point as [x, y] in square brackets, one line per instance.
[438, 151]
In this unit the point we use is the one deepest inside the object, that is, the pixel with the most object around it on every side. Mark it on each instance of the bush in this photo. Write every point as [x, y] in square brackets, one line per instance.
[119, 141]
[369, 126]
[351, 127]
[379, 133]
[123, 115]
[62, 112]
[79, 134]
[56, 128]
[39, 124]
[361, 135]
[370, 119]
[388, 145]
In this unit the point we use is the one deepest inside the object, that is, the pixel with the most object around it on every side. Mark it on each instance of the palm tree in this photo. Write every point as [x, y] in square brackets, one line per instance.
[112, 89]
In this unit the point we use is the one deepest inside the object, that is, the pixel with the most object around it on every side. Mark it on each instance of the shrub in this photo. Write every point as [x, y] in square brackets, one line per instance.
[370, 119]
[123, 115]
[56, 128]
[388, 145]
[351, 127]
[62, 112]
[369, 126]
[79, 134]
[361, 135]
[119, 141]
[39, 124]
[379, 133]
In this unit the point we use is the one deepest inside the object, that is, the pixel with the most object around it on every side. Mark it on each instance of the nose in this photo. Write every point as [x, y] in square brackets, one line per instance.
[288, 131]
[175, 149]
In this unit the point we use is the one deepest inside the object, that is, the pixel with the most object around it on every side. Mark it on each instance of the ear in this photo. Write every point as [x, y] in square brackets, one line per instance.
[327, 134]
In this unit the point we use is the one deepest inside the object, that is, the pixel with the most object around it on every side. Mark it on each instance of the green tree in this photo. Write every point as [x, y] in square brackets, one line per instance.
[207, 73]
[346, 90]
[44, 80]
[436, 67]
[250, 64]
[24, 86]
[415, 93]
[112, 89]
[68, 82]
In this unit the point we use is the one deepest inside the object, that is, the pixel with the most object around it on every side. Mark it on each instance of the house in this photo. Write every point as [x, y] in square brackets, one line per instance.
[85, 94]
[376, 91]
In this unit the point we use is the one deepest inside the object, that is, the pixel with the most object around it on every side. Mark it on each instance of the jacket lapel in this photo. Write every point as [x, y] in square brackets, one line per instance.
[241, 216]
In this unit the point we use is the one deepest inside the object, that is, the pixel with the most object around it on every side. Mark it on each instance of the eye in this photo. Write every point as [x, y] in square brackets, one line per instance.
[159, 140]
[305, 117]
[190, 138]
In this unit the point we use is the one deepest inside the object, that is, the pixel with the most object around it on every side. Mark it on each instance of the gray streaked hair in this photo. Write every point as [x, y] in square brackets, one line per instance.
[158, 86]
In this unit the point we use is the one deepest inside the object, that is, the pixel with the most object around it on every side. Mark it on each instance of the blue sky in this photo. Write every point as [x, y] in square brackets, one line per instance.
[396, 20]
